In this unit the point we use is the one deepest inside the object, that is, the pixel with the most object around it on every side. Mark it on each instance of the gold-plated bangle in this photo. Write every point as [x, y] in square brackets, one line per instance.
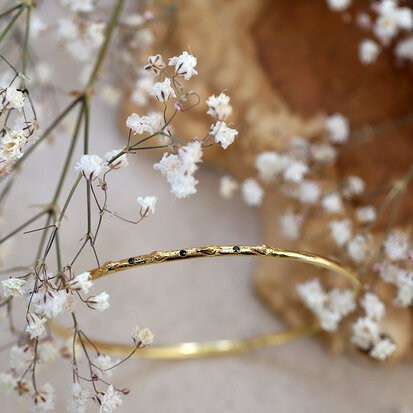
[217, 347]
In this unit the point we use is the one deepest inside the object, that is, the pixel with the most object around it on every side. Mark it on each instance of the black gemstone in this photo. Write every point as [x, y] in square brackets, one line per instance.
[182, 253]
[131, 260]
[236, 248]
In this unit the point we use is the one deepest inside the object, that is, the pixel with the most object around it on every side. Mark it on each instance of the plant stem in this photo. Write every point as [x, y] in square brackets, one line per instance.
[26, 39]
[12, 21]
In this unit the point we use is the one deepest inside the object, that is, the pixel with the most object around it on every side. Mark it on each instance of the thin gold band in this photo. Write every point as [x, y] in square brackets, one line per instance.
[218, 347]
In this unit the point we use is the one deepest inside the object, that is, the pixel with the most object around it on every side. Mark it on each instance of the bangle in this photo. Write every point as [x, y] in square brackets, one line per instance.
[217, 347]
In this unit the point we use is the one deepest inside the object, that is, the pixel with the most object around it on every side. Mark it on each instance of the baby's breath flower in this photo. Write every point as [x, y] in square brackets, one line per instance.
[104, 363]
[338, 128]
[223, 134]
[15, 98]
[291, 225]
[91, 166]
[78, 398]
[53, 303]
[99, 302]
[396, 246]
[81, 6]
[251, 192]
[8, 382]
[13, 287]
[141, 124]
[383, 348]
[142, 89]
[373, 307]
[368, 51]
[155, 63]
[147, 204]
[184, 65]
[81, 282]
[227, 186]
[142, 338]
[111, 400]
[269, 164]
[110, 95]
[405, 288]
[358, 248]
[404, 49]
[47, 351]
[308, 192]
[295, 171]
[219, 107]
[332, 203]
[341, 231]
[118, 163]
[366, 214]
[354, 185]
[338, 5]
[365, 333]
[35, 325]
[43, 399]
[163, 90]
[323, 152]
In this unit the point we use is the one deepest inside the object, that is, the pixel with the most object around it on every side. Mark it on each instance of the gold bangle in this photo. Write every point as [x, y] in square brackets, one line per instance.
[217, 347]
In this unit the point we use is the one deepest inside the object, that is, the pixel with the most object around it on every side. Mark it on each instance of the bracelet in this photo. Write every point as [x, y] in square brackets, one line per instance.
[218, 347]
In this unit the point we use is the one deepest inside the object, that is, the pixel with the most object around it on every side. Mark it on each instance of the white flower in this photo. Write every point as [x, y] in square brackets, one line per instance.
[405, 288]
[110, 95]
[312, 293]
[53, 303]
[142, 89]
[43, 73]
[155, 63]
[295, 171]
[251, 191]
[35, 325]
[20, 357]
[184, 65]
[353, 186]
[110, 401]
[382, 349]
[13, 287]
[104, 363]
[388, 272]
[179, 169]
[81, 6]
[358, 248]
[269, 164]
[291, 225]
[96, 33]
[365, 333]
[227, 186]
[368, 51]
[141, 124]
[308, 192]
[100, 302]
[142, 338]
[43, 399]
[78, 399]
[47, 351]
[341, 231]
[82, 281]
[323, 152]
[342, 301]
[366, 214]
[121, 162]
[222, 134]
[396, 246]
[147, 204]
[404, 49]
[163, 90]
[91, 166]
[338, 5]
[338, 128]
[67, 29]
[373, 306]
[219, 107]
[7, 382]
[15, 98]
[332, 202]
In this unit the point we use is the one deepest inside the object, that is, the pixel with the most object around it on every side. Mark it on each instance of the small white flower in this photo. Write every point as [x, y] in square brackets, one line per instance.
[91, 166]
[43, 399]
[142, 338]
[35, 325]
[47, 351]
[96, 33]
[111, 401]
[358, 248]
[147, 204]
[184, 65]
[52, 304]
[20, 357]
[341, 231]
[388, 272]
[368, 51]
[163, 90]
[155, 63]
[332, 203]
[342, 301]
[104, 363]
[366, 214]
[405, 288]
[67, 29]
[338, 5]
[382, 349]
[15, 98]
[365, 333]
[110, 95]
[118, 163]
[252, 193]
[308, 192]
[324, 153]
[142, 89]
[338, 128]
[141, 124]
[269, 164]
[295, 171]
[223, 134]
[100, 302]
[227, 186]
[353, 186]
[8, 382]
[78, 399]
[396, 246]
[291, 225]
[219, 107]
[373, 306]
[404, 49]
[82, 281]
[13, 287]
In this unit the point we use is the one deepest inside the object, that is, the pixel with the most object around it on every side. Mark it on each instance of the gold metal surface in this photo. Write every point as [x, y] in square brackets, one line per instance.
[216, 347]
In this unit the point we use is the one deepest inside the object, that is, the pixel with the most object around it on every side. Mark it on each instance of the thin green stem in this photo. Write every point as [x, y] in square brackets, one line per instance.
[11, 9]
[86, 151]
[26, 39]
[12, 21]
